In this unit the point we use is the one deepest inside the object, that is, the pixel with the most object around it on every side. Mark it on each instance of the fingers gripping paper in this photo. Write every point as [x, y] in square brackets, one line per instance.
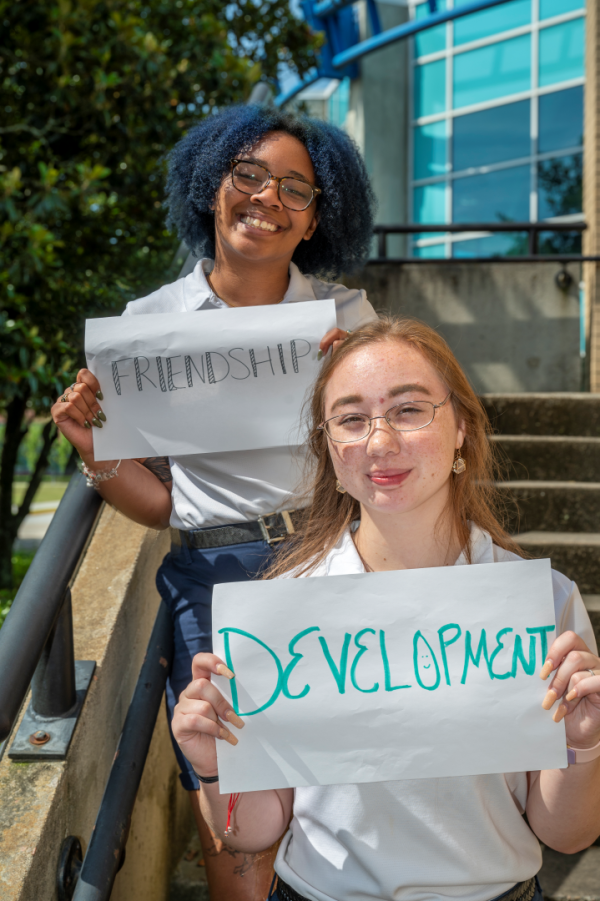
[383, 676]
[225, 380]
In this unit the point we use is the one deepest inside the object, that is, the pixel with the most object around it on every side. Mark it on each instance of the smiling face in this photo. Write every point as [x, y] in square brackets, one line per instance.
[259, 227]
[393, 472]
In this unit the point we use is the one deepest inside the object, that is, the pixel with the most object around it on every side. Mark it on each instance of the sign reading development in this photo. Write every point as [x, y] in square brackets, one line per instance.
[381, 676]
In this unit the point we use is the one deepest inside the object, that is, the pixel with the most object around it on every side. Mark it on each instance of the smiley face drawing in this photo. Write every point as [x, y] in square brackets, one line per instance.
[426, 667]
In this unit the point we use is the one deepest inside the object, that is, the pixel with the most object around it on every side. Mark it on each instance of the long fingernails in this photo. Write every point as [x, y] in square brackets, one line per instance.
[99, 395]
[546, 669]
[549, 700]
[560, 713]
[101, 415]
[87, 425]
[223, 670]
[97, 423]
[572, 695]
[319, 355]
[232, 717]
[227, 736]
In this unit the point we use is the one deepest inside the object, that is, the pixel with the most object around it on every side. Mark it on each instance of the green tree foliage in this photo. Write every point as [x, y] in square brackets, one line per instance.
[93, 93]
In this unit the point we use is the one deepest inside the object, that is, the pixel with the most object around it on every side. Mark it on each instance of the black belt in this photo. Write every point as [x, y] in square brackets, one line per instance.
[272, 528]
[524, 891]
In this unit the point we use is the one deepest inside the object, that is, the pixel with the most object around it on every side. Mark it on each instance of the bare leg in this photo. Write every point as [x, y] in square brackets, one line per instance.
[233, 874]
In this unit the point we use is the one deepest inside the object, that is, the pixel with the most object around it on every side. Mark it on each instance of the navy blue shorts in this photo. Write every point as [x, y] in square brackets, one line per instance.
[185, 582]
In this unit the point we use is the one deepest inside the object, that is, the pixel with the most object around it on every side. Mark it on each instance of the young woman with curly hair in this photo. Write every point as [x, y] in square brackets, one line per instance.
[403, 478]
[272, 203]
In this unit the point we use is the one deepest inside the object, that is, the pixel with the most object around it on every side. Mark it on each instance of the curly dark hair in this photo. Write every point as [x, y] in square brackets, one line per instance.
[199, 161]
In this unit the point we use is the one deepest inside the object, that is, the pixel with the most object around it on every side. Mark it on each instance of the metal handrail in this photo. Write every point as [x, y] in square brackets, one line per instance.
[533, 230]
[39, 600]
[95, 880]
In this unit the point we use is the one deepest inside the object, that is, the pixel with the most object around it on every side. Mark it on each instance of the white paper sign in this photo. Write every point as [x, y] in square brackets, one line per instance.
[222, 380]
[382, 676]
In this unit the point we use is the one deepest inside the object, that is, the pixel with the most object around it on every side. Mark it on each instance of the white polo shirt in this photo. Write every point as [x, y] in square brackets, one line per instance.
[419, 839]
[238, 486]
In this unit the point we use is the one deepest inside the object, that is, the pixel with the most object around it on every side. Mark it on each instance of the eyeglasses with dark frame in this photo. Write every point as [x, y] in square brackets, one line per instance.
[406, 417]
[251, 178]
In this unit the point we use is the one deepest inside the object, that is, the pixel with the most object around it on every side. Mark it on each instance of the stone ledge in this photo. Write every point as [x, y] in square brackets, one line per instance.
[114, 607]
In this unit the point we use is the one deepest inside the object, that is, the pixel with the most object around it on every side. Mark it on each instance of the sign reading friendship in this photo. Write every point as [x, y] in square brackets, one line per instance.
[225, 380]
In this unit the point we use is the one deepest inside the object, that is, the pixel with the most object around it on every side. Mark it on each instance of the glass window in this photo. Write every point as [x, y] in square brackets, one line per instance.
[430, 149]
[495, 71]
[491, 21]
[559, 186]
[430, 204]
[494, 135]
[557, 7]
[339, 103]
[561, 52]
[501, 245]
[430, 251]
[495, 196]
[434, 39]
[430, 88]
[561, 120]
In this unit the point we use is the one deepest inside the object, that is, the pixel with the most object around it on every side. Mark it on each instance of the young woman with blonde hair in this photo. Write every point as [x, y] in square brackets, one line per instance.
[403, 478]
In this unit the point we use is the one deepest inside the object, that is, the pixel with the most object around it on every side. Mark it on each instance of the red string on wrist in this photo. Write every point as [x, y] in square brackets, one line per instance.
[233, 799]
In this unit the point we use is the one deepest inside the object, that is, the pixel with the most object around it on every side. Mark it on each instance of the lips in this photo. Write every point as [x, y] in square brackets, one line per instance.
[256, 222]
[389, 478]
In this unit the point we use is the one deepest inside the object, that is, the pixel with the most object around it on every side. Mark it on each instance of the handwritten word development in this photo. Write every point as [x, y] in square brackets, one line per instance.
[188, 371]
[500, 656]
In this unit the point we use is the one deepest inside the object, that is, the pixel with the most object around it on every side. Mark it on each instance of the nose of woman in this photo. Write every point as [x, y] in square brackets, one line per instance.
[383, 439]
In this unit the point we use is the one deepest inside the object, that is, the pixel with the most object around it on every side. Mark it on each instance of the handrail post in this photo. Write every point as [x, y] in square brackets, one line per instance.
[53, 690]
[382, 245]
[533, 242]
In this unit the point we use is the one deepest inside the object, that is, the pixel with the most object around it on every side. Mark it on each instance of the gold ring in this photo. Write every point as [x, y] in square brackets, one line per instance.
[64, 399]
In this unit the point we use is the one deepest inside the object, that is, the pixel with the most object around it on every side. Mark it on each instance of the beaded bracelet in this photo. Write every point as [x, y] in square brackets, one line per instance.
[93, 479]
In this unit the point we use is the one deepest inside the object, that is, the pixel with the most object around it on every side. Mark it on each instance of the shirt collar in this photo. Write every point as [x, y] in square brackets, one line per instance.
[198, 295]
[344, 559]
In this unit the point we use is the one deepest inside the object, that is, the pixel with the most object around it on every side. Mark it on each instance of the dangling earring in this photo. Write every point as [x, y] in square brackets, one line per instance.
[459, 464]
[339, 487]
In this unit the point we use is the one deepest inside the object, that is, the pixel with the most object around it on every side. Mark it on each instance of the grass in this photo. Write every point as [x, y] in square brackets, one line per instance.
[48, 491]
[21, 561]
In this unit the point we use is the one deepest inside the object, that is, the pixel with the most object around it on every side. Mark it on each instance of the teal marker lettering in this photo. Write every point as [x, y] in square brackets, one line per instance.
[496, 651]
[295, 658]
[475, 658]
[229, 662]
[362, 649]
[338, 674]
[444, 644]
[387, 679]
[528, 666]
[542, 631]
[418, 636]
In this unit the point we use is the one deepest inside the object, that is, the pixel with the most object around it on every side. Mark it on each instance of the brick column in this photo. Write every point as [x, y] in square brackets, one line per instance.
[591, 187]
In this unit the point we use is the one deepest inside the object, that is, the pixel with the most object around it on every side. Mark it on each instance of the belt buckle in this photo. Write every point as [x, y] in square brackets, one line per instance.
[269, 522]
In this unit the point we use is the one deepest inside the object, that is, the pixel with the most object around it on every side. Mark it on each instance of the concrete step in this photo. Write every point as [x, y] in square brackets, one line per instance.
[571, 877]
[575, 554]
[544, 506]
[544, 414]
[550, 457]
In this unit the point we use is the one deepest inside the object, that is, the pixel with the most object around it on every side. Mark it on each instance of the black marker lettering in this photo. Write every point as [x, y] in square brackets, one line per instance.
[171, 375]
[188, 370]
[240, 378]
[295, 355]
[254, 362]
[161, 375]
[117, 376]
[139, 374]
[210, 369]
[281, 359]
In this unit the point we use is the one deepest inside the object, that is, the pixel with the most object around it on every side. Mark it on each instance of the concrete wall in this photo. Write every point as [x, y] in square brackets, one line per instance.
[114, 608]
[509, 325]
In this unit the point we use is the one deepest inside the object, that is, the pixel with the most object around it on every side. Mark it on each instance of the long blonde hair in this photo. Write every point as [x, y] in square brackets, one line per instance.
[473, 495]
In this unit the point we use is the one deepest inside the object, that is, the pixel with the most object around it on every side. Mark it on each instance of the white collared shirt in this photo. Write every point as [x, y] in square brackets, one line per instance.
[461, 838]
[237, 486]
